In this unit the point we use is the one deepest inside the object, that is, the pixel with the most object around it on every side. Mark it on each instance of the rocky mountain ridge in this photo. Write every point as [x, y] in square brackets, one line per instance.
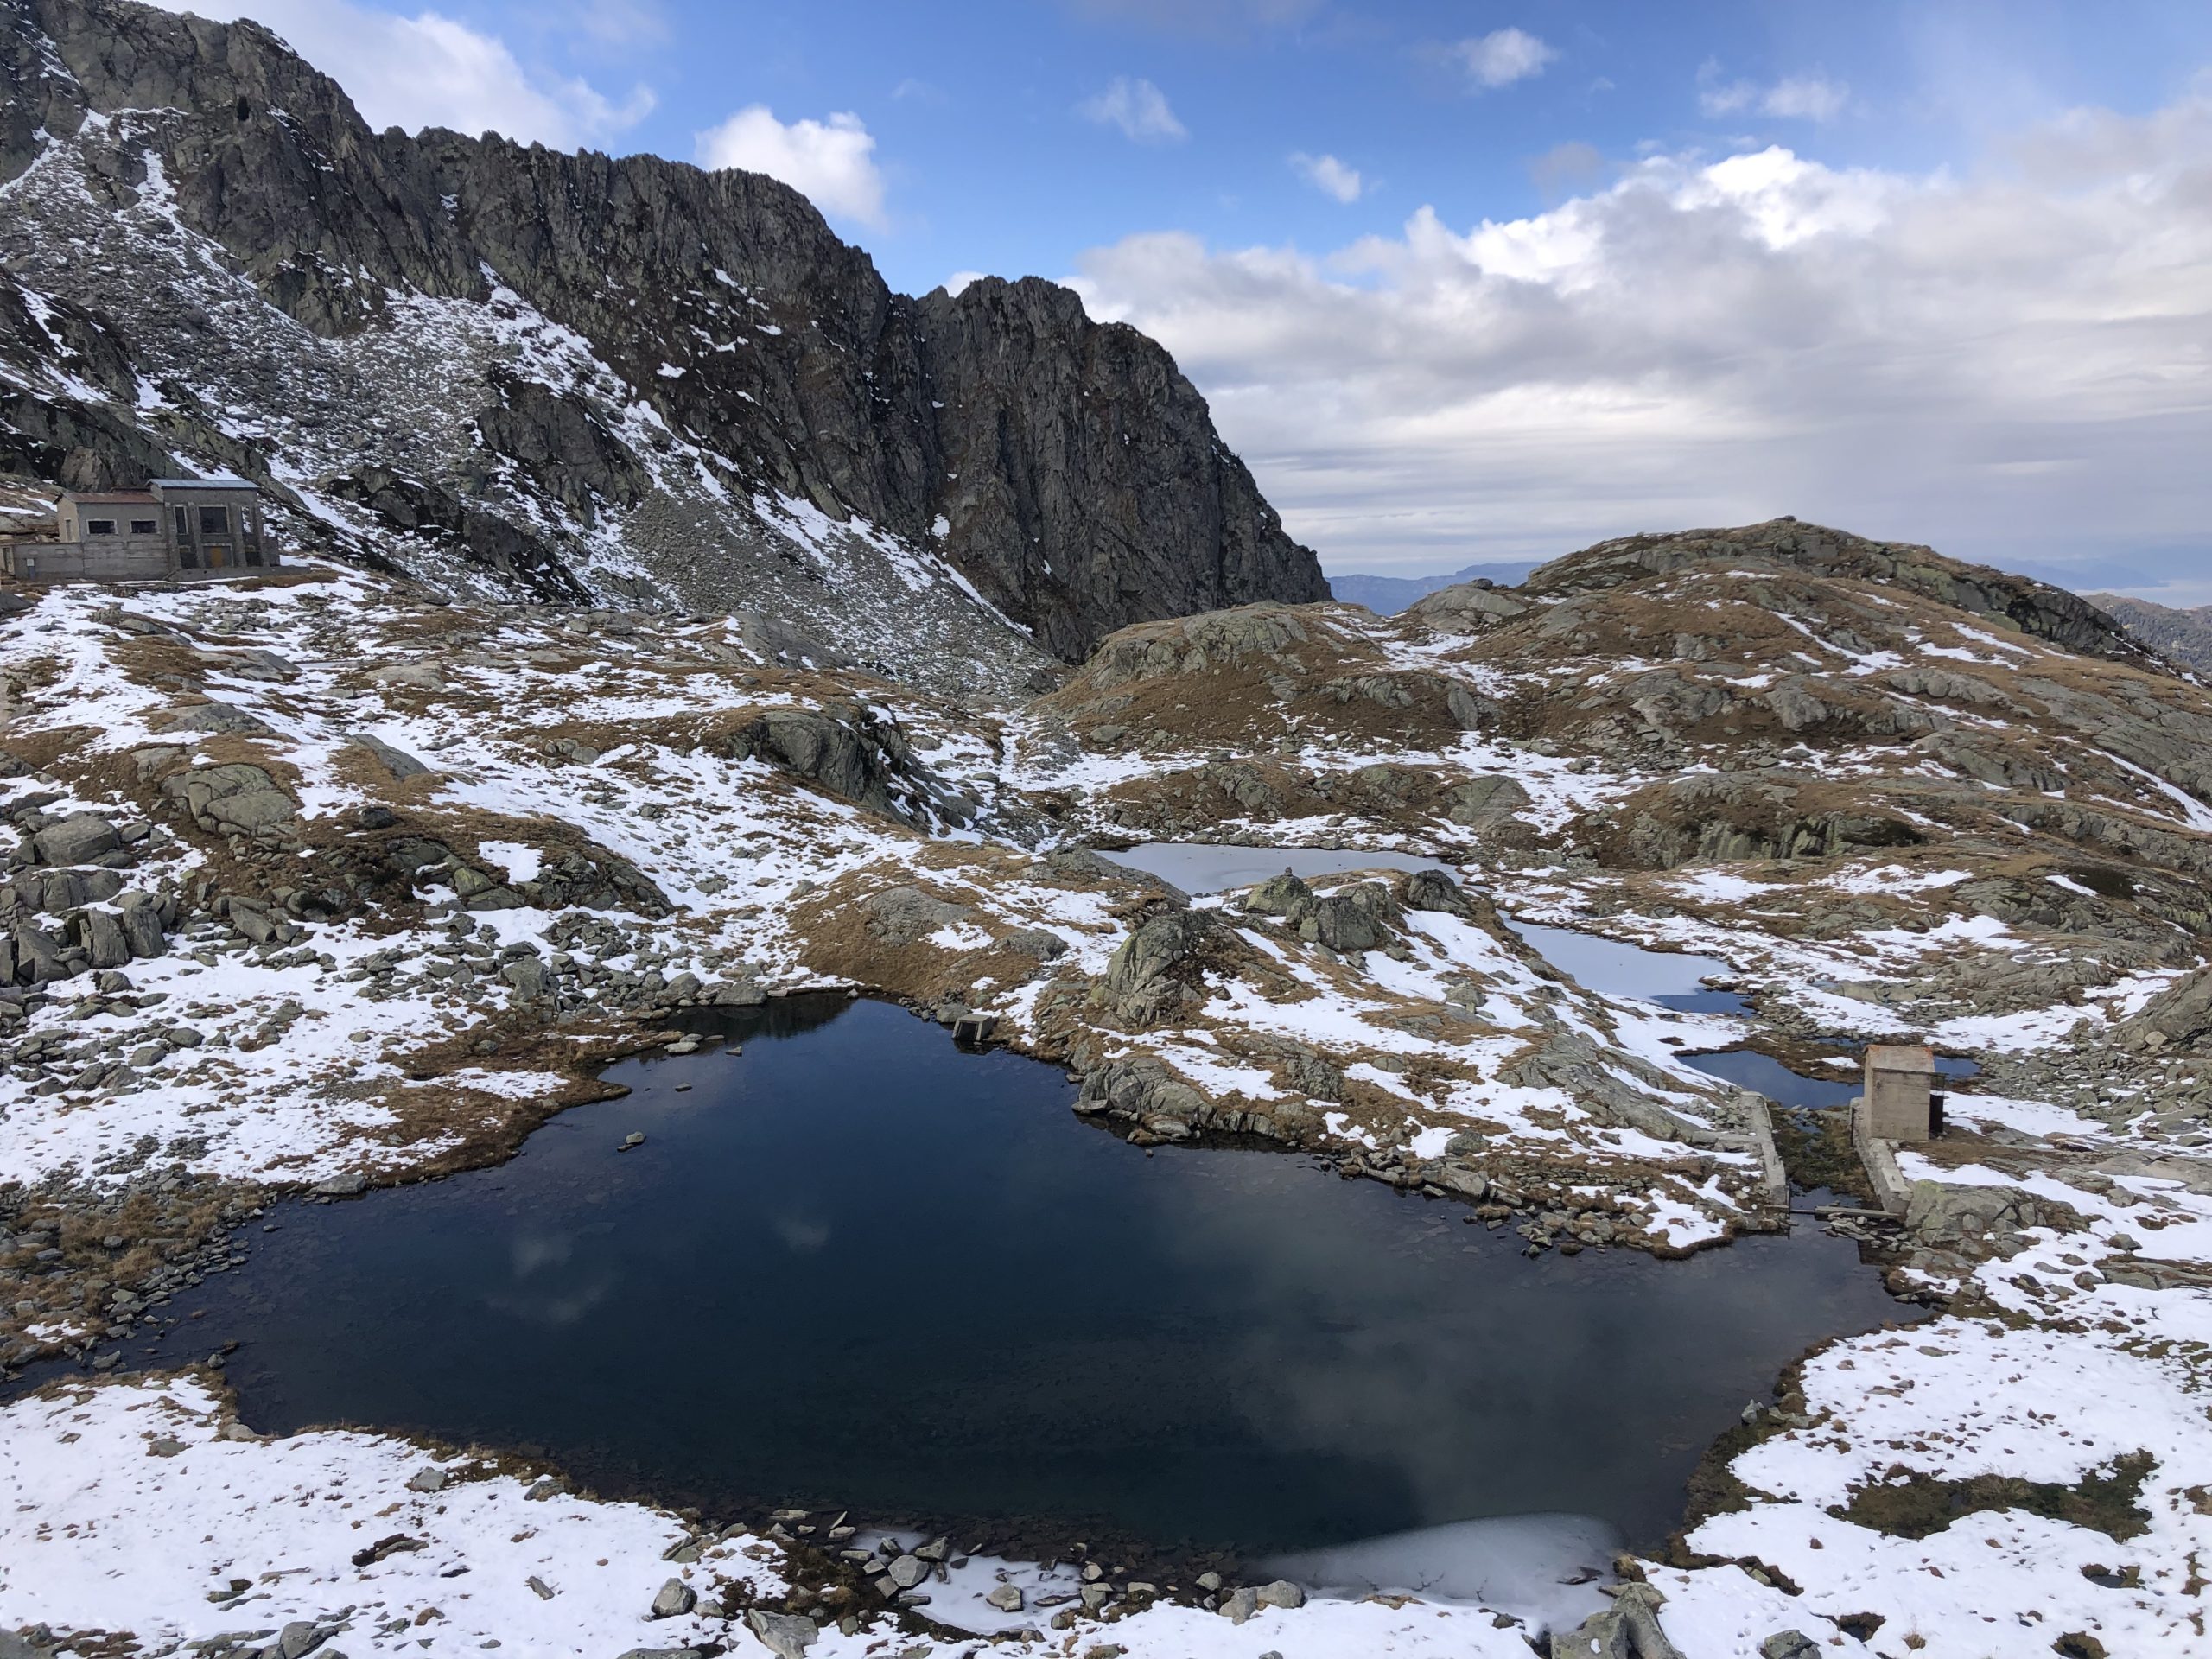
[2183, 633]
[572, 375]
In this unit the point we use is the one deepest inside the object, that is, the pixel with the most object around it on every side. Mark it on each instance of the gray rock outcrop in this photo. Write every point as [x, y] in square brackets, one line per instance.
[1064, 466]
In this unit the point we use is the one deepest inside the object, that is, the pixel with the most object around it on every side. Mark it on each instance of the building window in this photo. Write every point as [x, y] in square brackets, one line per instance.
[100, 526]
[145, 526]
[214, 521]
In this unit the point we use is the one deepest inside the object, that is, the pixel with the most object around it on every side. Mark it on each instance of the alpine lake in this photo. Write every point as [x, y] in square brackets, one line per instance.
[852, 1265]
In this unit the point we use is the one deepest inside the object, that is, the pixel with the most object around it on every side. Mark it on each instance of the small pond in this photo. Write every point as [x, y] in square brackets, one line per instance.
[1210, 867]
[1766, 1075]
[1613, 967]
[857, 1266]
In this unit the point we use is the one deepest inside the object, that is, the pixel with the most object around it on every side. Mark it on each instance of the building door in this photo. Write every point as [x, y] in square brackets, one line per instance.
[215, 534]
[187, 551]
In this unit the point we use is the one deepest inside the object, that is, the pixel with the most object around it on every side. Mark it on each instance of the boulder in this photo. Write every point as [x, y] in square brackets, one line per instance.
[213, 717]
[786, 1635]
[99, 934]
[1627, 1629]
[1465, 607]
[1279, 895]
[1159, 962]
[853, 754]
[237, 797]
[396, 762]
[1341, 923]
[78, 839]
[1486, 802]
[424, 676]
[37, 955]
[527, 974]
[902, 915]
[673, 1598]
[1434, 890]
[1143, 1089]
[1972, 1218]
[140, 915]
[907, 1571]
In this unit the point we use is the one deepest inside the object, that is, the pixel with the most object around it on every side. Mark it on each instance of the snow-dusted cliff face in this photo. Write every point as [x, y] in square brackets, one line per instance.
[578, 377]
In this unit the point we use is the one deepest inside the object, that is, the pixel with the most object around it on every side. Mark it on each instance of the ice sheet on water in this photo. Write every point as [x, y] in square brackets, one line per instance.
[1544, 1569]
[1211, 866]
[1612, 968]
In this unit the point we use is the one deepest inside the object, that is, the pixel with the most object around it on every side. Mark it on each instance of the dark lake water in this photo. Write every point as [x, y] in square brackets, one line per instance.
[857, 1266]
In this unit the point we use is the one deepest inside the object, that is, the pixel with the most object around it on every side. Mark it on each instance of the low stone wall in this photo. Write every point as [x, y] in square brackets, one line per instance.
[1774, 1179]
[1892, 1192]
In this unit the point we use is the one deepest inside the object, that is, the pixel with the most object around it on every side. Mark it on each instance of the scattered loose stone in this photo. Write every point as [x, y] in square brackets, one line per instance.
[786, 1635]
[673, 1598]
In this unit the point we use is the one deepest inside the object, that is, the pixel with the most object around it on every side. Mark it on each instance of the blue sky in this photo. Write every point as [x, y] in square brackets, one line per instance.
[1471, 281]
[989, 161]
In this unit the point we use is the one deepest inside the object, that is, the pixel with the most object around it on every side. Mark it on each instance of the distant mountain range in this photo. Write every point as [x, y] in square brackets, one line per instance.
[1386, 596]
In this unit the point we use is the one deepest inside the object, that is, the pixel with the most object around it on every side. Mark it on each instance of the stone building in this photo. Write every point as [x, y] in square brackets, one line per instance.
[174, 527]
[1900, 1102]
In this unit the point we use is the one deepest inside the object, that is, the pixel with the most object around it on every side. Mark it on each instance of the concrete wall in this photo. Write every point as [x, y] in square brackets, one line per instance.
[112, 558]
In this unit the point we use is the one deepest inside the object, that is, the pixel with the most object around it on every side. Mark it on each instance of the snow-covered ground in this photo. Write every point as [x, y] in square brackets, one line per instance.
[546, 736]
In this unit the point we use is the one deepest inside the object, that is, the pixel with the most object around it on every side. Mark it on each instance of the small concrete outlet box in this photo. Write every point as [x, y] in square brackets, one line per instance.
[1900, 1097]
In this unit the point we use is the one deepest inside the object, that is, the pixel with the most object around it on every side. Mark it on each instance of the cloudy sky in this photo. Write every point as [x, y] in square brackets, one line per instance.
[1466, 281]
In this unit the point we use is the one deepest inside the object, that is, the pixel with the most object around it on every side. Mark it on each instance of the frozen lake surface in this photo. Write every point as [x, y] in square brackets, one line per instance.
[1612, 968]
[857, 1266]
[1208, 866]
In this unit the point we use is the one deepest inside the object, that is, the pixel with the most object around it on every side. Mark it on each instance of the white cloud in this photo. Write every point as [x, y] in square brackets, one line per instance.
[1138, 108]
[1808, 97]
[2007, 364]
[1503, 56]
[429, 70]
[960, 279]
[1329, 175]
[830, 162]
[1800, 98]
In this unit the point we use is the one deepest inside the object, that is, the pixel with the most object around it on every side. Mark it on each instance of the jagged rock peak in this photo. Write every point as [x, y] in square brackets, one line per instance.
[635, 354]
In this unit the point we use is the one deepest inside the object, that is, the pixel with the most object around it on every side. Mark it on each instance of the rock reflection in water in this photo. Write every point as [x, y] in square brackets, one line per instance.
[857, 1266]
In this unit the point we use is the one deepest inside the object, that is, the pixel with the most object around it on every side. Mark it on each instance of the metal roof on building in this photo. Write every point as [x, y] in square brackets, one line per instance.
[220, 483]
